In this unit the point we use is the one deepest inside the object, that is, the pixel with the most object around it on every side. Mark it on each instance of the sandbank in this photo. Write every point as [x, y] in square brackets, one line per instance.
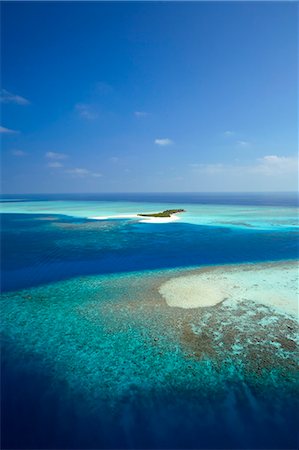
[172, 218]
[140, 219]
[115, 216]
[271, 284]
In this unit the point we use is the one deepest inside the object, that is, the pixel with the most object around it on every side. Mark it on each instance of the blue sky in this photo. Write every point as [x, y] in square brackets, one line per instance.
[110, 97]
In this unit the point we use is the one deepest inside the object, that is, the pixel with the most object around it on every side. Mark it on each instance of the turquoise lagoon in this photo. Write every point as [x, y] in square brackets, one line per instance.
[239, 214]
[93, 356]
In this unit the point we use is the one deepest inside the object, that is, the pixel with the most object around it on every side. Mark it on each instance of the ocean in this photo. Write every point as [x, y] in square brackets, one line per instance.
[94, 357]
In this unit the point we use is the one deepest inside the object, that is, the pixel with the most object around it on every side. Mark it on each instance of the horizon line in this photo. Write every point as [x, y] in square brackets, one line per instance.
[150, 192]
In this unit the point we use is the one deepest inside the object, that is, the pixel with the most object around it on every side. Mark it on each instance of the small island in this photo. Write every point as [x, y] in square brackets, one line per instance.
[166, 213]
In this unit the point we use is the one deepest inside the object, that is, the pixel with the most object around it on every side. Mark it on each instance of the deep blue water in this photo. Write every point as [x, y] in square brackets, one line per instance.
[209, 198]
[41, 412]
[38, 251]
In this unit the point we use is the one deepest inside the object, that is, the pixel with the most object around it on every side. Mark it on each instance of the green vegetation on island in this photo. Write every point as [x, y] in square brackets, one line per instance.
[167, 213]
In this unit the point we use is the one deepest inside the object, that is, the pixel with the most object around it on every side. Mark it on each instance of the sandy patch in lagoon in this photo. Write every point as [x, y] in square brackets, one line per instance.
[192, 291]
[274, 284]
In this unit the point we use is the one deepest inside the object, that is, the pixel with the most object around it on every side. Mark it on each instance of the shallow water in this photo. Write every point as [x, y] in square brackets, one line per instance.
[93, 357]
[242, 212]
[274, 284]
[117, 354]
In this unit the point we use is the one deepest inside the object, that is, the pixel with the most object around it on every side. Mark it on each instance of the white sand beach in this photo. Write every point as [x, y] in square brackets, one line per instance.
[115, 216]
[271, 284]
[172, 218]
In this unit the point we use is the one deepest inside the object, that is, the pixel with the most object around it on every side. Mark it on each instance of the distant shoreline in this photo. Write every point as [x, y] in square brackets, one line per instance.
[166, 213]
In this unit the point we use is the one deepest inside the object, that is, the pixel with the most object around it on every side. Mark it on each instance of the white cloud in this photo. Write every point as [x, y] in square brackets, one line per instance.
[270, 165]
[4, 130]
[163, 142]
[97, 175]
[81, 172]
[243, 143]
[239, 143]
[114, 159]
[18, 153]
[269, 173]
[86, 111]
[140, 114]
[209, 168]
[78, 171]
[55, 165]
[55, 155]
[8, 97]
